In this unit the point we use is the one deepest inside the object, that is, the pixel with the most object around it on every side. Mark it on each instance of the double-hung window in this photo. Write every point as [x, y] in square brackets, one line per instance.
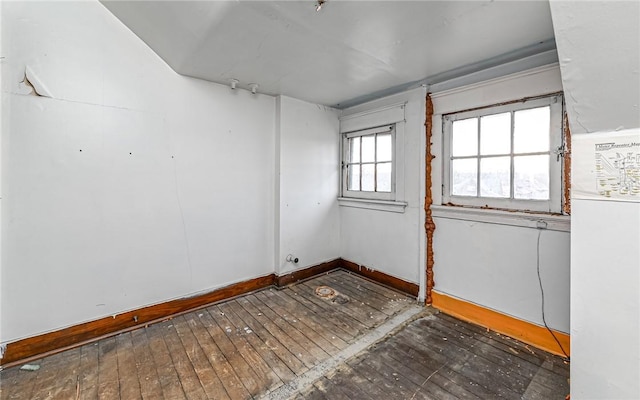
[368, 163]
[505, 156]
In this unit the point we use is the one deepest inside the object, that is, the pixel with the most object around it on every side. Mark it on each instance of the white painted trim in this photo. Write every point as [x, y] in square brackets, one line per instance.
[388, 196]
[490, 82]
[503, 69]
[374, 111]
[554, 203]
[561, 223]
[380, 205]
[387, 115]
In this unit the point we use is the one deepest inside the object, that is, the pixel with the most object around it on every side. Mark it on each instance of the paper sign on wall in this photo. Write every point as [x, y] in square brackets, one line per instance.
[606, 166]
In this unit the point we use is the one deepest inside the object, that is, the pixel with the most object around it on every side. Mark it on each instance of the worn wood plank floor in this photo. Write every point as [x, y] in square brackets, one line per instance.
[254, 345]
[439, 357]
[238, 349]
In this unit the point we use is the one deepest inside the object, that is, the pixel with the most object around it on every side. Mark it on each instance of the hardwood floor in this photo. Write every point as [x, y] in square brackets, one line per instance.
[439, 357]
[291, 342]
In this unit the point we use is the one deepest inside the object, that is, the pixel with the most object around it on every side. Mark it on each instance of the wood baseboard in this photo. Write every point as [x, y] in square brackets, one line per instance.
[524, 331]
[296, 276]
[77, 335]
[382, 278]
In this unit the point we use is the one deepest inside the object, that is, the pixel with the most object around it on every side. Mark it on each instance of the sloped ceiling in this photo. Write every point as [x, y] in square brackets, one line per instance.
[599, 52]
[346, 52]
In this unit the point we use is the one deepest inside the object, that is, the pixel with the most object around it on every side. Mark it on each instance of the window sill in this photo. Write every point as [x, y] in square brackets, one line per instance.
[560, 223]
[380, 205]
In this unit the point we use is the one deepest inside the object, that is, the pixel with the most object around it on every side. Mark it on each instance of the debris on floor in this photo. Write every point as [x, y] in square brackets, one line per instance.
[325, 292]
[30, 367]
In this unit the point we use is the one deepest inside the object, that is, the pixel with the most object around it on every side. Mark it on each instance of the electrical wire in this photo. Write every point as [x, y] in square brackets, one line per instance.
[544, 321]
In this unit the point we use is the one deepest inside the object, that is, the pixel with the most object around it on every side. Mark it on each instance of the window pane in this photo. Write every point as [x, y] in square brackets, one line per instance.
[353, 180]
[383, 177]
[384, 147]
[464, 175]
[495, 176]
[495, 134]
[531, 133]
[368, 148]
[354, 146]
[464, 140]
[531, 177]
[368, 178]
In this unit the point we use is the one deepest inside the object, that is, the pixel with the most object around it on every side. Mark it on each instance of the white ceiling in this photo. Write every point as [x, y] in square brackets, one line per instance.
[347, 53]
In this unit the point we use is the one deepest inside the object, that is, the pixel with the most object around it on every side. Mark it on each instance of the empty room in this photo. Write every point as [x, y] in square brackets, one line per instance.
[320, 199]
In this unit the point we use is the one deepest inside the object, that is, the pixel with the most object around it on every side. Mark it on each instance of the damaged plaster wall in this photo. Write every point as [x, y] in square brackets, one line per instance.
[124, 184]
[599, 52]
[32, 85]
[493, 264]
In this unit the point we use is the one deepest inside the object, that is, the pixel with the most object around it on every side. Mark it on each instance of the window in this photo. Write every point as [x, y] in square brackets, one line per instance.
[368, 163]
[506, 156]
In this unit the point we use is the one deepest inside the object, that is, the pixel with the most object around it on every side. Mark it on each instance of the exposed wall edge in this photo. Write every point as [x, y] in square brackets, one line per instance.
[524, 331]
[429, 224]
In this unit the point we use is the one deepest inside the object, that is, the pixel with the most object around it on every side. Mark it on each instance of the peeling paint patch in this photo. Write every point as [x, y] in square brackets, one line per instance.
[566, 207]
[33, 85]
[429, 224]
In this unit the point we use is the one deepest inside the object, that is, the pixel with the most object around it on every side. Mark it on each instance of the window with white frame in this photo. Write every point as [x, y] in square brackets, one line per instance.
[505, 156]
[368, 163]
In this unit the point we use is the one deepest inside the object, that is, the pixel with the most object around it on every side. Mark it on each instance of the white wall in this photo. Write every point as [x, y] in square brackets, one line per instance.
[391, 242]
[308, 160]
[493, 264]
[605, 321]
[599, 52]
[172, 193]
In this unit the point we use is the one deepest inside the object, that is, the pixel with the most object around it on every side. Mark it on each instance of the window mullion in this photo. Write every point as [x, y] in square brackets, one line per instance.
[360, 164]
[354, 149]
[375, 162]
[344, 171]
[512, 182]
[478, 161]
[531, 189]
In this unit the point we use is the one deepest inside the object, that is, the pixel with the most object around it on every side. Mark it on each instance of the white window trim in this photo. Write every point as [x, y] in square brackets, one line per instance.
[381, 205]
[554, 204]
[386, 115]
[361, 194]
[393, 114]
[561, 223]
